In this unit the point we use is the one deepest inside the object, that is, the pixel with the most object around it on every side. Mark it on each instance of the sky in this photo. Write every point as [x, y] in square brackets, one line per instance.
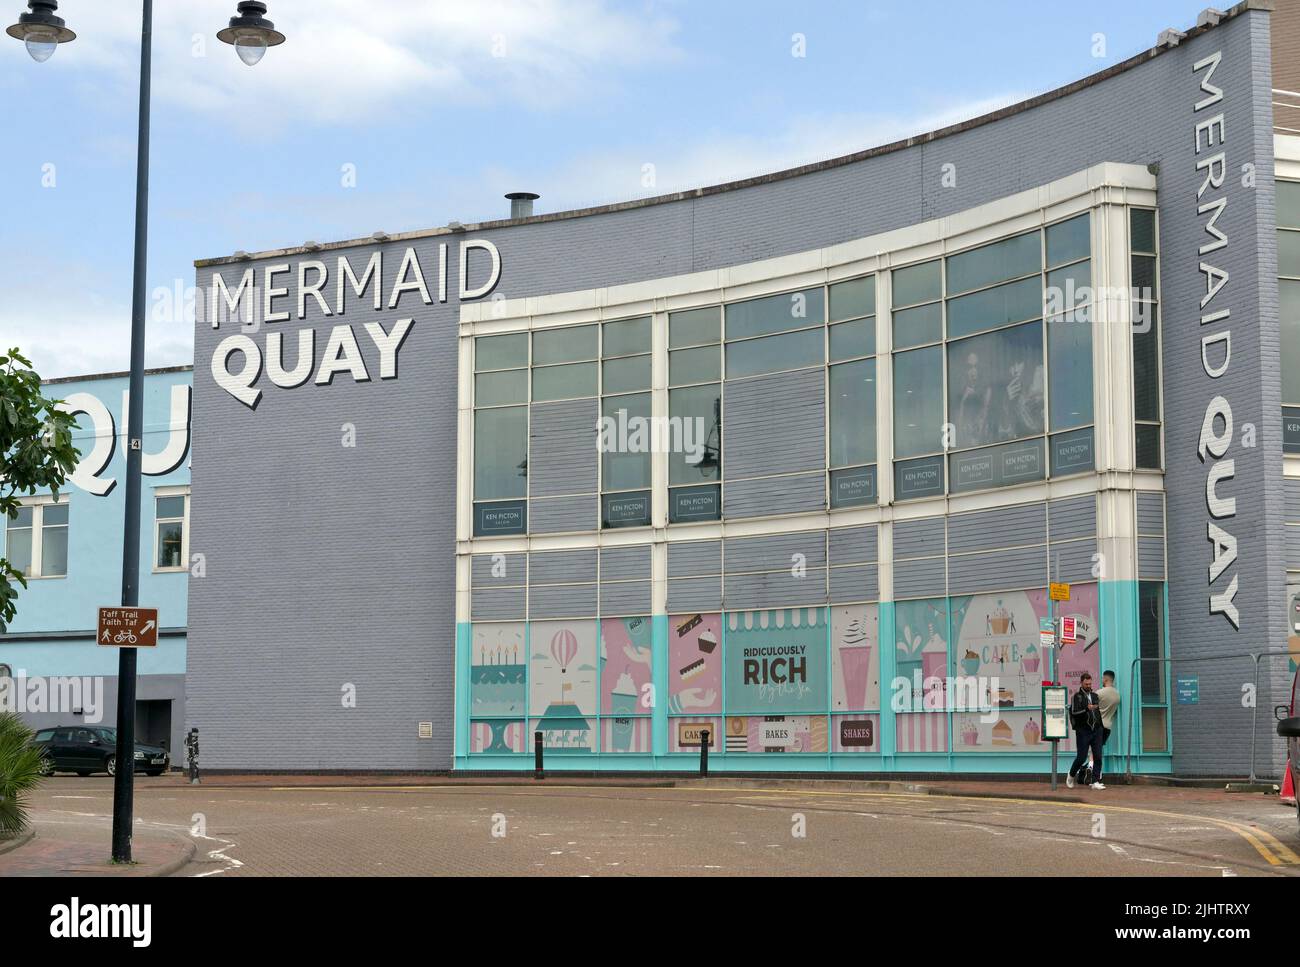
[408, 114]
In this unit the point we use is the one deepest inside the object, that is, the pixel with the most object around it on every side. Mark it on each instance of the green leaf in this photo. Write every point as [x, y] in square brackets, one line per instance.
[27, 464]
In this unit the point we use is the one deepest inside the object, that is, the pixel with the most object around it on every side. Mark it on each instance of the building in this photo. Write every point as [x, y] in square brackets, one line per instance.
[71, 552]
[742, 458]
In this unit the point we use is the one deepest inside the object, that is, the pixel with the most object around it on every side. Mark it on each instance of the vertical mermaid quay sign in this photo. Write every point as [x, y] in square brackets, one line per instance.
[263, 298]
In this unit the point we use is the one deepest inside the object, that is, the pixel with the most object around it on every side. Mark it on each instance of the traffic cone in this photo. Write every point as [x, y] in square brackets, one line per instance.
[1288, 787]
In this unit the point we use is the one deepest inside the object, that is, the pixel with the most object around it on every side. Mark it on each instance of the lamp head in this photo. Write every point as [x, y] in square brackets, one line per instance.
[42, 30]
[250, 33]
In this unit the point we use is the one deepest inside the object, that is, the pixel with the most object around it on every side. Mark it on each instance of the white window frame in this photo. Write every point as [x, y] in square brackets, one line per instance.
[180, 490]
[38, 504]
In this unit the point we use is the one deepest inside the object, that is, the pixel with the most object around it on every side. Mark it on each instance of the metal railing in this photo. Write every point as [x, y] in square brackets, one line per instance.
[1135, 706]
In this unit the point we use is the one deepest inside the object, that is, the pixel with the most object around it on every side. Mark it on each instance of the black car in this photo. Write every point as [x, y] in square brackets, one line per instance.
[84, 749]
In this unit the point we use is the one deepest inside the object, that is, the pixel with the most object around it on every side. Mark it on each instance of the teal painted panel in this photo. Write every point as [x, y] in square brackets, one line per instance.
[659, 676]
[461, 696]
[925, 620]
[1119, 646]
[776, 661]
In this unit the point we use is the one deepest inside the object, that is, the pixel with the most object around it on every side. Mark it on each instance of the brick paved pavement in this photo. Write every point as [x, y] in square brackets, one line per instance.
[330, 825]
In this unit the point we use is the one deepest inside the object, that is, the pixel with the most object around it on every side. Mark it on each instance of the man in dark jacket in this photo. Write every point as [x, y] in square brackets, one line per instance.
[1085, 715]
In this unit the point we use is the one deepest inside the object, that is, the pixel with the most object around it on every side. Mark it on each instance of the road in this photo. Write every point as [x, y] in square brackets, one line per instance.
[695, 828]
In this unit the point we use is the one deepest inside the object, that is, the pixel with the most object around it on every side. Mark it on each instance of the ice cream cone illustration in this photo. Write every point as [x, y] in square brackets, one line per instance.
[855, 662]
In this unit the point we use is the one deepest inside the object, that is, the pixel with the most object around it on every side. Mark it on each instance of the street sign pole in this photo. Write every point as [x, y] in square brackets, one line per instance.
[124, 779]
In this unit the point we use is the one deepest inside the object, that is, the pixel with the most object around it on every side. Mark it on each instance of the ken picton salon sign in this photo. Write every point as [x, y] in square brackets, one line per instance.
[265, 299]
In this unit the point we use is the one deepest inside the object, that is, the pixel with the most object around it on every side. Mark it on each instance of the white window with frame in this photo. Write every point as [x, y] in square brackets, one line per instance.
[171, 548]
[36, 541]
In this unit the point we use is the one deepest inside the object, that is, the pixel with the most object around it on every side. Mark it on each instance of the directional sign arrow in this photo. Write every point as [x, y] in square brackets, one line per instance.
[149, 626]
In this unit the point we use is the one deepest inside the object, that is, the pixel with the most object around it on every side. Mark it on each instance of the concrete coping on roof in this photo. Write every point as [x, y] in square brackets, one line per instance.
[122, 375]
[1010, 110]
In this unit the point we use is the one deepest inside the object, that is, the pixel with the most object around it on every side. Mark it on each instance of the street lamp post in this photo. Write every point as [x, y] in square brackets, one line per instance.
[42, 30]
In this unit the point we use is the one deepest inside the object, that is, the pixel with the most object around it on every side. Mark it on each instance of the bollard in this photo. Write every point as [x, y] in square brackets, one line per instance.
[704, 753]
[537, 756]
[192, 755]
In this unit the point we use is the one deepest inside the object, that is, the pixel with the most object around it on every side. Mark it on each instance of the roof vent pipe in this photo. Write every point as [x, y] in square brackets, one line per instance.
[521, 204]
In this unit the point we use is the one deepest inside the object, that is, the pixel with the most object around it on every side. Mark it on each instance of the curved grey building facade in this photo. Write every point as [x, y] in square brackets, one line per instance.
[885, 401]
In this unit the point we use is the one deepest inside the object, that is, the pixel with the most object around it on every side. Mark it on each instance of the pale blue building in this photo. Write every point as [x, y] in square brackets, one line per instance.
[71, 552]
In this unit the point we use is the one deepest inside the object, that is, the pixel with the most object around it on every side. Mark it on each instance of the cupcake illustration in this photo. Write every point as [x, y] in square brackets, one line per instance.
[1001, 619]
[970, 662]
[1032, 732]
[1030, 660]
[969, 734]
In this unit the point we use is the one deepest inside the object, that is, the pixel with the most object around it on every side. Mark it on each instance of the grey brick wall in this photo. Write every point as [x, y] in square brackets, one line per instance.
[1251, 386]
[330, 566]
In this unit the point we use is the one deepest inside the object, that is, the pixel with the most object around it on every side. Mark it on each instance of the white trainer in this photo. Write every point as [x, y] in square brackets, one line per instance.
[1098, 785]
[1069, 782]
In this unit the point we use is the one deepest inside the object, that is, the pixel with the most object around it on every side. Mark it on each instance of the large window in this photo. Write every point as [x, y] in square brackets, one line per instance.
[626, 426]
[776, 333]
[36, 540]
[851, 385]
[918, 380]
[1288, 292]
[695, 414]
[991, 383]
[992, 364]
[1069, 313]
[171, 528]
[1143, 268]
[997, 386]
[1155, 671]
[500, 434]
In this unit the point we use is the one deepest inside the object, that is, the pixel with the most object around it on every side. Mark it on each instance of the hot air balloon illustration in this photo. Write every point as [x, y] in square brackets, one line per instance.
[564, 646]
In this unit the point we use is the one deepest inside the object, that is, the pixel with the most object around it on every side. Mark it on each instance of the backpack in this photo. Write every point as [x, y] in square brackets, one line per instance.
[1085, 776]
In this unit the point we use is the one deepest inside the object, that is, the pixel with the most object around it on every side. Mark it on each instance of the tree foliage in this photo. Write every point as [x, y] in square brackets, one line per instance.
[36, 455]
[22, 766]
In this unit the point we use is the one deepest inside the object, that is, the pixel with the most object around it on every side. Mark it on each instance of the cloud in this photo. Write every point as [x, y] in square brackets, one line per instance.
[78, 337]
[258, 218]
[719, 157]
[83, 326]
[92, 333]
[357, 61]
